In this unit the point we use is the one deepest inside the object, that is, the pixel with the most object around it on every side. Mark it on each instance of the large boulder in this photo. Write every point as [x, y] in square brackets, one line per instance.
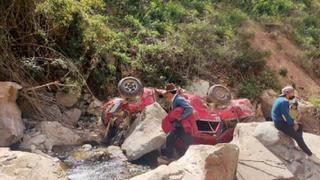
[49, 134]
[255, 160]
[200, 162]
[17, 165]
[11, 125]
[313, 143]
[269, 154]
[310, 116]
[199, 87]
[267, 98]
[284, 147]
[147, 135]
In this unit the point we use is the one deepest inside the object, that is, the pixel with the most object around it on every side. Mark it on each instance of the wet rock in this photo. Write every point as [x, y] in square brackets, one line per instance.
[199, 162]
[72, 116]
[49, 134]
[94, 154]
[115, 152]
[97, 153]
[199, 87]
[87, 147]
[11, 125]
[269, 154]
[147, 135]
[17, 165]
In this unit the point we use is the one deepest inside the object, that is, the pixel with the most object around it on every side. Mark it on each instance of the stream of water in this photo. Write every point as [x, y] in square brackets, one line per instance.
[96, 164]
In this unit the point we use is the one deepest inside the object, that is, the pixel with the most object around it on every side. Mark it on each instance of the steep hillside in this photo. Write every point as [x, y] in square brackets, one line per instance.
[96, 43]
[53, 46]
[283, 59]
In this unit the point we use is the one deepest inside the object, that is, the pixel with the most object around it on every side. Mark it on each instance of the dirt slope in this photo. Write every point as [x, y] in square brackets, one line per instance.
[283, 54]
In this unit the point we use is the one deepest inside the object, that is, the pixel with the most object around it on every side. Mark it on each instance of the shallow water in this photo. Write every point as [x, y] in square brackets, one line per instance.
[105, 170]
[98, 168]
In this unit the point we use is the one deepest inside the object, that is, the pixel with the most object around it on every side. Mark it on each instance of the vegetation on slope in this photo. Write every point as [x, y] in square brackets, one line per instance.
[300, 19]
[97, 42]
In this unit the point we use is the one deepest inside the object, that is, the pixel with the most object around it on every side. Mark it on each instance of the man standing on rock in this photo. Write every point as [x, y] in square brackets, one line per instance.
[177, 100]
[285, 123]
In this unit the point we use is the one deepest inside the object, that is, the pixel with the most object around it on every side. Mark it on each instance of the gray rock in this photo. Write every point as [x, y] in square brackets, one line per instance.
[95, 107]
[72, 116]
[86, 147]
[68, 99]
[269, 154]
[147, 135]
[50, 133]
[267, 98]
[199, 162]
[198, 87]
[17, 165]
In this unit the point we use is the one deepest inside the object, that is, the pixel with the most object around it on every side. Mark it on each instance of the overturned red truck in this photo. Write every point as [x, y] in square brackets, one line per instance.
[213, 121]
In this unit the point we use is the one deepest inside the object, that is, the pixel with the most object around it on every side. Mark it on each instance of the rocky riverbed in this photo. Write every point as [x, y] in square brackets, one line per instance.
[97, 163]
[55, 150]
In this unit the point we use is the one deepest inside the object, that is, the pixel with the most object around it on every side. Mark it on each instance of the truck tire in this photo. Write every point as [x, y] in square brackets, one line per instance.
[130, 87]
[219, 94]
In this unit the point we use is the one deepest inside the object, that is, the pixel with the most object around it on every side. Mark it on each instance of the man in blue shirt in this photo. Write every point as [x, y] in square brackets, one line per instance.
[285, 123]
[177, 101]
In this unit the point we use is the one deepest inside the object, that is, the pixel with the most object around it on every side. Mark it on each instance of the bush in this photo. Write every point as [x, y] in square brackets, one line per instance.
[315, 100]
[283, 71]
[253, 86]
[250, 61]
[271, 8]
[158, 41]
[249, 89]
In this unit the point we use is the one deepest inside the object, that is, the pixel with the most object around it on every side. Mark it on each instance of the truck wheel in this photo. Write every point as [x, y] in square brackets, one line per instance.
[219, 94]
[130, 87]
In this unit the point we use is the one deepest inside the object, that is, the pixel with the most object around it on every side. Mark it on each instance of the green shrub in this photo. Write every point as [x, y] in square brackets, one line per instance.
[283, 71]
[267, 80]
[272, 7]
[249, 89]
[158, 41]
[250, 61]
[315, 100]
[260, 8]
[253, 86]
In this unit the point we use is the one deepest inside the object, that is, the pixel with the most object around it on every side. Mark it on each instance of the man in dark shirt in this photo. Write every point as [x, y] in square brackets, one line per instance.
[285, 123]
[177, 101]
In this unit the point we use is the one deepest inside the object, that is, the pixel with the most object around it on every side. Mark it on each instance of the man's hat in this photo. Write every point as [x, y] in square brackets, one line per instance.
[286, 90]
[170, 87]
